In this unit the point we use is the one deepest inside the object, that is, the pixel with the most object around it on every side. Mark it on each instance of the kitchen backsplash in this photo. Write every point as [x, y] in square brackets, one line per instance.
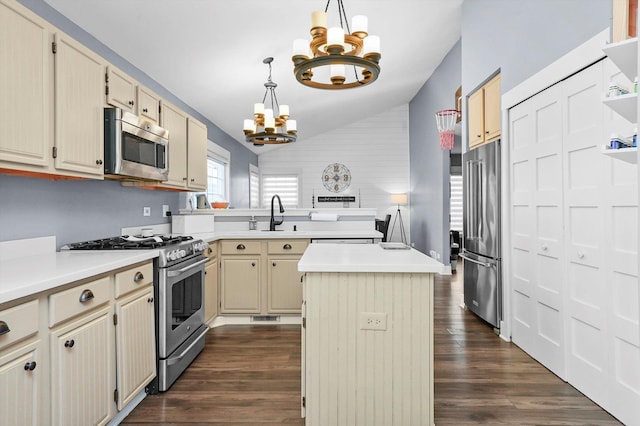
[75, 210]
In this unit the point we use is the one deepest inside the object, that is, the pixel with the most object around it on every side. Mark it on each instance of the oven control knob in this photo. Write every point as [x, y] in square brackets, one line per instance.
[172, 255]
[182, 253]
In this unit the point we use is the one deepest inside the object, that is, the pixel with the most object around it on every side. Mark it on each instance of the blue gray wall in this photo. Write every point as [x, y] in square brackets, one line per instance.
[429, 165]
[517, 37]
[80, 210]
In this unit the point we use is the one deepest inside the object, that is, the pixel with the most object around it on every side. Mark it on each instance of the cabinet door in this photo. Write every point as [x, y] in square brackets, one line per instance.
[83, 371]
[476, 118]
[25, 88]
[79, 106]
[148, 104]
[284, 285]
[121, 90]
[20, 399]
[492, 109]
[135, 345]
[240, 291]
[211, 289]
[174, 120]
[197, 155]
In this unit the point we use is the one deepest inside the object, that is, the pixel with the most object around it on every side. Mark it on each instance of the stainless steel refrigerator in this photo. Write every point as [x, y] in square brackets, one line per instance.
[481, 232]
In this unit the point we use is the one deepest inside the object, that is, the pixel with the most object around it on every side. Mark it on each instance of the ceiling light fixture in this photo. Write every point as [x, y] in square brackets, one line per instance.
[270, 125]
[334, 48]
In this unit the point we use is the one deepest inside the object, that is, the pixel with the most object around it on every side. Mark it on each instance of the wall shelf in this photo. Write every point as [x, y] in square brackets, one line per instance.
[630, 155]
[624, 55]
[625, 105]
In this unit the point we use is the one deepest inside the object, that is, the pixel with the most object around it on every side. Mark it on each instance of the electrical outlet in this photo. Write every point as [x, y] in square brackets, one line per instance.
[165, 209]
[432, 253]
[146, 211]
[373, 321]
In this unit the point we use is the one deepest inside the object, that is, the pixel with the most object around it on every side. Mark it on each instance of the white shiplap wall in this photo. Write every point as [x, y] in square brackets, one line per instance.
[376, 151]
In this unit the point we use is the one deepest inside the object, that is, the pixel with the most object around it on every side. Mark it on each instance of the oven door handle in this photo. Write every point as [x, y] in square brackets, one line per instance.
[176, 359]
[186, 268]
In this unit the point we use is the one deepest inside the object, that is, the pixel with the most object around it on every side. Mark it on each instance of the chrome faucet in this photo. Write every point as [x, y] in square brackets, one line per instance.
[273, 222]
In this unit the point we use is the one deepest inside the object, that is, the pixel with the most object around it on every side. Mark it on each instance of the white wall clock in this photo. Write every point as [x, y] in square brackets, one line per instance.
[336, 177]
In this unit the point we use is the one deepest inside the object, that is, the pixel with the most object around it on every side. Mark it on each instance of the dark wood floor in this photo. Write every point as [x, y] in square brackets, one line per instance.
[250, 375]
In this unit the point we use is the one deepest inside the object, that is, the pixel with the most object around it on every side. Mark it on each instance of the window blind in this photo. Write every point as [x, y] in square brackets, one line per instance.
[286, 186]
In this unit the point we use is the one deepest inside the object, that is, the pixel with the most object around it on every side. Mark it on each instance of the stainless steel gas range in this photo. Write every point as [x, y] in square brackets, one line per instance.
[178, 293]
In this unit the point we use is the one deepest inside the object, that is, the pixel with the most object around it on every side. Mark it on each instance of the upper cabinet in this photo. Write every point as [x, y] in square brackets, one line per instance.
[484, 113]
[148, 104]
[79, 104]
[196, 155]
[120, 90]
[26, 87]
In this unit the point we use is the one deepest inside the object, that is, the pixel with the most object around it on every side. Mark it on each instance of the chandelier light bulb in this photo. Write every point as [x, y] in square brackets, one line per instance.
[258, 108]
[292, 126]
[359, 24]
[269, 123]
[371, 44]
[318, 19]
[335, 36]
[283, 111]
[301, 48]
[268, 113]
[337, 70]
[249, 126]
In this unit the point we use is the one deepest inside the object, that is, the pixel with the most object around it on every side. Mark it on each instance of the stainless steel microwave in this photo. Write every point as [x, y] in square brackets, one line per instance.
[134, 147]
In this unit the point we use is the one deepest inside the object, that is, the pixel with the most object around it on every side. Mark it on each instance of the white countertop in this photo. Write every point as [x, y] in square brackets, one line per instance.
[365, 258]
[28, 275]
[271, 235]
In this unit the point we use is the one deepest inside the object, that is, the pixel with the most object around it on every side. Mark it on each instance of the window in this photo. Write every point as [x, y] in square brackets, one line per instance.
[254, 187]
[287, 186]
[218, 160]
[455, 208]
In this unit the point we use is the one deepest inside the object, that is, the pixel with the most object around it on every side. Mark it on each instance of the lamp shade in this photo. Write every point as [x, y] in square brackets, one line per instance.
[399, 198]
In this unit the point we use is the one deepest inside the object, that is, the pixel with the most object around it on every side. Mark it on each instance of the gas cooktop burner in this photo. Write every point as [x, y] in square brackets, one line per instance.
[126, 242]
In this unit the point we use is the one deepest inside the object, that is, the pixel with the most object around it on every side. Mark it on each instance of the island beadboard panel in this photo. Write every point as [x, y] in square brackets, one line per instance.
[355, 376]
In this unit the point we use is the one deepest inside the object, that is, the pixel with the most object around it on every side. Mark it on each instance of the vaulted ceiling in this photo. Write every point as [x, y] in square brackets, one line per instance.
[209, 52]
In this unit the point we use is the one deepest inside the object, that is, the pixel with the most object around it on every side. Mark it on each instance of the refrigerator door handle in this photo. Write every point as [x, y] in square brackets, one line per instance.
[485, 264]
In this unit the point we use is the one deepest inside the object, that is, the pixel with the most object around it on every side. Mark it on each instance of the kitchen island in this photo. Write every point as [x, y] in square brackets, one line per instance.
[367, 340]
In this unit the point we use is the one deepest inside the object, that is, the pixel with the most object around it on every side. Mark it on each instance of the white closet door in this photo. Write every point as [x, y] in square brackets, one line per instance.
[536, 204]
[588, 292]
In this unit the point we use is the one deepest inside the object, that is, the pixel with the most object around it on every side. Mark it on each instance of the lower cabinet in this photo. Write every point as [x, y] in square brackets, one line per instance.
[20, 384]
[77, 355]
[83, 370]
[261, 276]
[240, 291]
[135, 344]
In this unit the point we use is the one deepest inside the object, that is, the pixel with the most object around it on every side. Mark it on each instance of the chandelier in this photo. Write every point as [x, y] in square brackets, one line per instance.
[338, 50]
[270, 125]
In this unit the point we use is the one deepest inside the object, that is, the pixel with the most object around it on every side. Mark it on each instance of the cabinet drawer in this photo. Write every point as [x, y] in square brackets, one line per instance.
[77, 300]
[21, 322]
[212, 251]
[287, 246]
[133, 279]
[240, 247]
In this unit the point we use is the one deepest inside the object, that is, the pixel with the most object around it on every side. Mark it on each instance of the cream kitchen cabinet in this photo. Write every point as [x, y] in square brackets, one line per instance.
[211, 283]
[187, 149]
[284, 282]
[261, 276]
[120, 90]
[26, 88]
[196, 155]
[148, 104]
[79, 103]
[82, 347]
[135, 332]
[484, 113]
[241, 274]
[21, 367]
